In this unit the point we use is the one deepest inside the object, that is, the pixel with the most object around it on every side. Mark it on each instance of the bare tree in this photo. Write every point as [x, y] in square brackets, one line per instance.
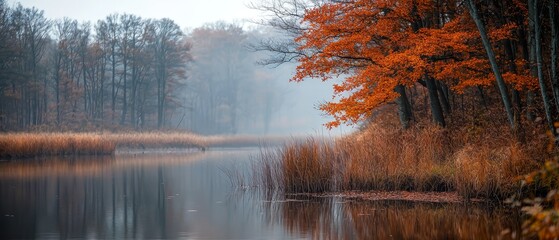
[170, 57]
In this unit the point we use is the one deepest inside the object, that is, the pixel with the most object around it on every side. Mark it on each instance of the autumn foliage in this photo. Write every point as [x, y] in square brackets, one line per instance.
[378, 46]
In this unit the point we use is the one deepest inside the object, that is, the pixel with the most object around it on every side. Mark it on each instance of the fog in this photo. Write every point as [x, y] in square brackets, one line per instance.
[230, 92]
[125, 71]
[298, 113]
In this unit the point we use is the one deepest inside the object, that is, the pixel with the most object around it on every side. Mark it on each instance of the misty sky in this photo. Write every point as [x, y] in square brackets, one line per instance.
[186, 13]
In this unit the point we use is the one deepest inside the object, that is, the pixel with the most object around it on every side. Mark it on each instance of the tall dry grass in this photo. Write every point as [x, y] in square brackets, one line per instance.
[482, 171]
[19, 145]
[308, 166]
[23, 145]
[156, 140]
[187, 140]
[388, 158]
[305, 166]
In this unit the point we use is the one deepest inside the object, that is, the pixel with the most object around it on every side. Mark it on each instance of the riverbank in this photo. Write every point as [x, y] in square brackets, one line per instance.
[406, 196]
[422, 159]
[27, 145]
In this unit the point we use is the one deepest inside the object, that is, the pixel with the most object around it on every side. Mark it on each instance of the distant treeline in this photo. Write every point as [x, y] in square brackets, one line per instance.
[126, 72]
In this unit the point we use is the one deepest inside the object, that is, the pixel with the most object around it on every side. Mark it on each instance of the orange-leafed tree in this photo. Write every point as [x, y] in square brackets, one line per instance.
[382, 48]
[364, 40]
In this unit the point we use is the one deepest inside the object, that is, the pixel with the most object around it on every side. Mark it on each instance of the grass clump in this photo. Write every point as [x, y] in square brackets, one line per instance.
[308, 166]
[305, 166]
[483, 171]
[384, 158]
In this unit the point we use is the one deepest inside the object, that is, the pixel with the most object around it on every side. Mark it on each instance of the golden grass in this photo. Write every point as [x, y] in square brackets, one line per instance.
[308, 166]
[186, 140]
[24, 145]
[491, 172]
[389, 159]
[19, 145]
[155, 140]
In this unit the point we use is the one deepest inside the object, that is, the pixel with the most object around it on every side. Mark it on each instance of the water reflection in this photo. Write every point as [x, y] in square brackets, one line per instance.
[189, 195]
[336, 218]
[127, 196]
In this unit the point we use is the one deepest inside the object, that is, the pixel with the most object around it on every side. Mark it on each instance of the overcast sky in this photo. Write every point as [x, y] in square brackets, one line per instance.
[186, 13]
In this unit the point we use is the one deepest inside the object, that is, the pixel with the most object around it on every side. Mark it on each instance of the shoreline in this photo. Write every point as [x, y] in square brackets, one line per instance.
[407, 196]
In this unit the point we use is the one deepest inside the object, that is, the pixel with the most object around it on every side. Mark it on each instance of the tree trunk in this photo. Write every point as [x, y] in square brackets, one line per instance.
[534, 15]
[493, 61]
[113, 76]
[554, 41]
[133, 95]
[84, 75]
[57, 88]
[443, 97]
[161, 84]
[124, 98]
[404, 107]
[436, 109]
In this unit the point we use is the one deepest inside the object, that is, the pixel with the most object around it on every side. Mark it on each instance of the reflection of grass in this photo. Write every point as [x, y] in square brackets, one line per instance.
[18, 145]
[424, 221]
[385, 158]
[93, 165]
[330, 218]
[56, 166]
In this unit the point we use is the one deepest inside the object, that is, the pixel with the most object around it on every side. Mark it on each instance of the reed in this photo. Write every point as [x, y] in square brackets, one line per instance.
[390, 159]
[20, 145]
[300, 166]
[156, 140]
[308, 166]
[482, 171]
[186, 140]
[25, 145]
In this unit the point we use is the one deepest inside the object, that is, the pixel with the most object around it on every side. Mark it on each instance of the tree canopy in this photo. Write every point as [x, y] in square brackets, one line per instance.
[385, 50]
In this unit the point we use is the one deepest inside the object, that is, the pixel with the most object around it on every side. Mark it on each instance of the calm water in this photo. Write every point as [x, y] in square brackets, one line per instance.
[191, 195]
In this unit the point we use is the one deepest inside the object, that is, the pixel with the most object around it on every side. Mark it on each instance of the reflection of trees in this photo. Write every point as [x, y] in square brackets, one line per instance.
[334, 219]
[89, 197]
[106, 202]
[125, 196]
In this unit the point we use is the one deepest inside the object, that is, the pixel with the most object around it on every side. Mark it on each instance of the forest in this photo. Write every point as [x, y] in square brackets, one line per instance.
[130, 73]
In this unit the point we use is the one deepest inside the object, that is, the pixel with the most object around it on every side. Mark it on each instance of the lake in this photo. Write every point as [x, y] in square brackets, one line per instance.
[178, 194]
